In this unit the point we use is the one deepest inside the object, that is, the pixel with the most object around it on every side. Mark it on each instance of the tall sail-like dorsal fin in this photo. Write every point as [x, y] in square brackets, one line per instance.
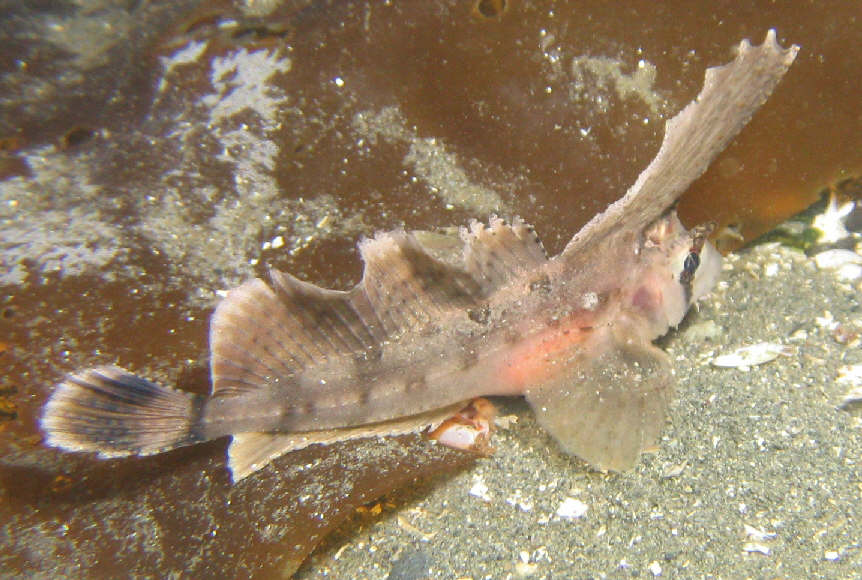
[693, 138]
[499, 252]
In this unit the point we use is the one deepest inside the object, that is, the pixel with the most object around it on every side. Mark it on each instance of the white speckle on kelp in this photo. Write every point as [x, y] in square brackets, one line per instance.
[245, 112]
[430, 161]
[72, 238]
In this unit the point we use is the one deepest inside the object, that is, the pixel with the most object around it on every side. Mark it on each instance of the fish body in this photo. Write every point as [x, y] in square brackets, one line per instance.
[435, 323]
[459, 339]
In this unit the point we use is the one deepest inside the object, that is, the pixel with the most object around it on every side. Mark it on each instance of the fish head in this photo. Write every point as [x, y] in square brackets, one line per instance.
[680, 266]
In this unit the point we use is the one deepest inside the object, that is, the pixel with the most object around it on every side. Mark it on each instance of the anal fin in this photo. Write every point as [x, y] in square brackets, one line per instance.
[250, 452]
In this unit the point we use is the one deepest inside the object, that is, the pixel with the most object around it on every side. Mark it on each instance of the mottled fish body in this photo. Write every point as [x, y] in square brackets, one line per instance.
[437, 322]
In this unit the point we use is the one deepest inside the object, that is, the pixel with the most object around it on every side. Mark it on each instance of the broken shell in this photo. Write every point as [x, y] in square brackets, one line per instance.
[850, 374]
[853, 397]
[572, 508]
[756, 354]
[846, 263]
[479, 488]
[758, 535]
[756, 547]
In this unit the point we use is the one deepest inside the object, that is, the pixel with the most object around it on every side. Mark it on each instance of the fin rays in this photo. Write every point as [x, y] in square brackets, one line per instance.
[694, 137]
[606, 410]
[114, 413]
[263, 334]
[498, 253]
[249, 452]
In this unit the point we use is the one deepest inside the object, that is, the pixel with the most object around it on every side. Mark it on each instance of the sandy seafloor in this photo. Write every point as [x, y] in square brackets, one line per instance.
[758, 473]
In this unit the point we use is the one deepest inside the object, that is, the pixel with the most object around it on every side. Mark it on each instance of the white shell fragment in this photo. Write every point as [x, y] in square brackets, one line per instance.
[756, 354]
[853, 397]
[830, 223]
[572, 508]
[756, 547]
[479, 489]
[851, 375]
[846, 263]
[758, 535]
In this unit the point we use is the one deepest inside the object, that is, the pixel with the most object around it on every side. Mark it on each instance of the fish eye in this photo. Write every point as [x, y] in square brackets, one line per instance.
[689, 266]
[692, 261]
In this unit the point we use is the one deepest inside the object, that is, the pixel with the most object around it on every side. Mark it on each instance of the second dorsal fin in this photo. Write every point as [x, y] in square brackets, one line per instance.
[407, 287]
[266, 334]
[499, 252]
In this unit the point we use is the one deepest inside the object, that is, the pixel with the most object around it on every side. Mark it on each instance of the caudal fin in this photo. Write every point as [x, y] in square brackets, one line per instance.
[109, 411]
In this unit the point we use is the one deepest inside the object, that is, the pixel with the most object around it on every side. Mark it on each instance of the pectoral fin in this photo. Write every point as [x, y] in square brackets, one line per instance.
[607, 403]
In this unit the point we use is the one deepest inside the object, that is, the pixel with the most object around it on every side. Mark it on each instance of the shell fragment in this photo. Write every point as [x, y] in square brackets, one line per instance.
[756, 354]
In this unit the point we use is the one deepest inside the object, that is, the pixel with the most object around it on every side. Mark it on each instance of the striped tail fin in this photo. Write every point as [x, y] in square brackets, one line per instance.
[109, 411]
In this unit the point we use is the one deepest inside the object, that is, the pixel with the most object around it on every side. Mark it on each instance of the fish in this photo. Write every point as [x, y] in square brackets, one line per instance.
[437, 321]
